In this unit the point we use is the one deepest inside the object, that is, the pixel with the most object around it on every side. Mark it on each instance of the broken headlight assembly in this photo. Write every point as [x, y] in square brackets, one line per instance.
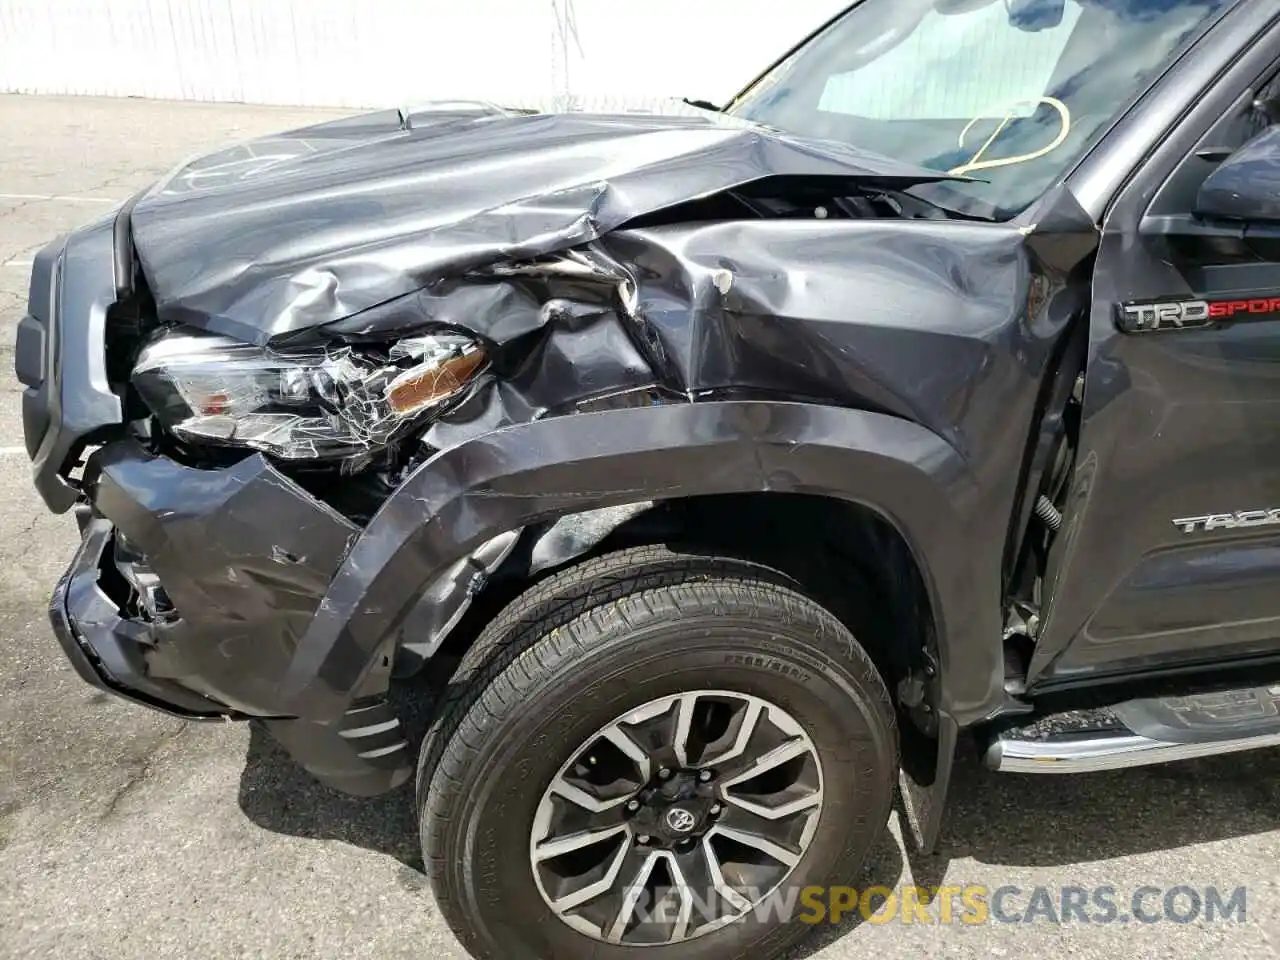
[314, 404]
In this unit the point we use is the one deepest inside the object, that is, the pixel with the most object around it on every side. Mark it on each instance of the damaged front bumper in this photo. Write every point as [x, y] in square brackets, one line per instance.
[190, 587]
[107, 649]
[194, 592]
[190, 590]
[234, 592]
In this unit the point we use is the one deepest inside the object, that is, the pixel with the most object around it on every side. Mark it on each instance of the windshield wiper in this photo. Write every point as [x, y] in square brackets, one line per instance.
[702, 105]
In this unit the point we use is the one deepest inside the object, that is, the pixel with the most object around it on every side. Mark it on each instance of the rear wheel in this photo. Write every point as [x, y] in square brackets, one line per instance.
[663, 770]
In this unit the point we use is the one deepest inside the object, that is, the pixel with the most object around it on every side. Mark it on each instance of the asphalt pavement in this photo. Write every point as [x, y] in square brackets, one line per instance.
[128, 834]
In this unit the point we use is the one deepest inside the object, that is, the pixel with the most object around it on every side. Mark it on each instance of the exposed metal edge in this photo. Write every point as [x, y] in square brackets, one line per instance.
[1110, 752]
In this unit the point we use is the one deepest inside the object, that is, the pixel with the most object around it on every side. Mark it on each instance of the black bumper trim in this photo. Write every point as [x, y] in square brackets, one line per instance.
[366, 754]
[166, 666]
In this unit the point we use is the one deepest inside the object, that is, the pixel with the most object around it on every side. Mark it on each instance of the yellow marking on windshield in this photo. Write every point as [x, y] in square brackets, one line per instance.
[977, 163]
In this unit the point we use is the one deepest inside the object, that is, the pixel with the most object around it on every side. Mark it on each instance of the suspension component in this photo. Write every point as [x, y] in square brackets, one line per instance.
[1047, 512]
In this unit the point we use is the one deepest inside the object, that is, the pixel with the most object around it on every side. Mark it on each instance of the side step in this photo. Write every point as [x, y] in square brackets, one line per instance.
[1141, 732]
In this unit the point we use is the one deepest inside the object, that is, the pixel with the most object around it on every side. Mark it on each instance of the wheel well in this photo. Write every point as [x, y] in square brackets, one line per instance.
[844, 555]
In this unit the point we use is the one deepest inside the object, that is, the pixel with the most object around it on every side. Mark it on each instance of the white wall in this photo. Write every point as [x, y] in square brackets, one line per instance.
[390, 52]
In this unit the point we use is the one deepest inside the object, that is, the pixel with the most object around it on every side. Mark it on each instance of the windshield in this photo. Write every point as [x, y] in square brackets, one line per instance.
[1005, 91]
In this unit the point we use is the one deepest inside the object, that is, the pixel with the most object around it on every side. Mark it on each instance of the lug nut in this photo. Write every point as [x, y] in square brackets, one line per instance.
[633, 806]
[704, 776]
[643, 840]
[715, 809]
[664, 774]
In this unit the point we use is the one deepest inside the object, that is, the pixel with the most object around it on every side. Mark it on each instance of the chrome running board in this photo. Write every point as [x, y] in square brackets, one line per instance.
[1141, 732]
[1084, 753]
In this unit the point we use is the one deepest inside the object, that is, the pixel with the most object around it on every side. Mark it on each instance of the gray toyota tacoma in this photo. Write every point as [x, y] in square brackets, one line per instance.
[739, 459]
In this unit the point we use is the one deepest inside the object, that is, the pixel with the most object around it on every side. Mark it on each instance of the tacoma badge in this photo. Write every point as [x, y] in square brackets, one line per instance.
[1229, 521]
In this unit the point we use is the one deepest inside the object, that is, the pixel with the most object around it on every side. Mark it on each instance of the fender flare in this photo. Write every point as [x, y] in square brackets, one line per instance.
[466, 495]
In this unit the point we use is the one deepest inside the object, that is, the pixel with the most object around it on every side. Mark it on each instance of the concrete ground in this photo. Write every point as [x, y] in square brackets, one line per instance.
[126, 834]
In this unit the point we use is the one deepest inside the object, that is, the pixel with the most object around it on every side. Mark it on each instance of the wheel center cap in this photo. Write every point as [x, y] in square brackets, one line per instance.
[680, 820]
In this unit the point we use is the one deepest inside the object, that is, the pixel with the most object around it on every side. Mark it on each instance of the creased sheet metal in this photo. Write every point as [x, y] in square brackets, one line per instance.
[294, 231]
[875, 358]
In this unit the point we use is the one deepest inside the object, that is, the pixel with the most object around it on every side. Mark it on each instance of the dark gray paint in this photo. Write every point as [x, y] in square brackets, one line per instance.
[543, 469]
[107, 649]
[1173, 421]
[939, 346]
[934, 376]
[289, 232]
[243, 553]
[63, 366]
[890, 362]
[901, 364]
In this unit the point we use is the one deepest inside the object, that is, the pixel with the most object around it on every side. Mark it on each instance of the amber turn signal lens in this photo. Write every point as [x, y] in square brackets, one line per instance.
[433, 382]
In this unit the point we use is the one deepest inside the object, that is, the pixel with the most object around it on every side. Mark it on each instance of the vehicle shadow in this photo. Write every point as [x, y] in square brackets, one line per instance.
[1014, 820]
[991, 818]
[884, 868]
[278, 795]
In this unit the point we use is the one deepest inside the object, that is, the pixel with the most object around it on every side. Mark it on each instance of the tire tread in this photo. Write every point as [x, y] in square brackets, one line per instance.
[564, 619]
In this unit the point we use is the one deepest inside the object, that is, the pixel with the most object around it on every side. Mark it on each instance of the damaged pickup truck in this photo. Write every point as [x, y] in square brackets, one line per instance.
[741, 459]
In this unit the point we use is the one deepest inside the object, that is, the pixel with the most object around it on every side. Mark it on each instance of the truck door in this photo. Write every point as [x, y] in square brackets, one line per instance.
[1171, 550]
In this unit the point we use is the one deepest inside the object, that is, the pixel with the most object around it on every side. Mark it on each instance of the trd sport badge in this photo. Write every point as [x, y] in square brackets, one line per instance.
[1147, 317]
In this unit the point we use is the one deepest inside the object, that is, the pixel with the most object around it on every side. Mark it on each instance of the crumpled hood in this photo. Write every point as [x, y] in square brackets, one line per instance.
[288, 232]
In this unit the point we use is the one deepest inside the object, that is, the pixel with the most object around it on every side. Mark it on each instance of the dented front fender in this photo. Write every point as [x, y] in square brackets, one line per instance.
[466, 496]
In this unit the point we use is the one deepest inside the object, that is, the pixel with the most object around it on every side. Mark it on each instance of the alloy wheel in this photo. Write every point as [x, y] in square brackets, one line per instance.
[677, 818]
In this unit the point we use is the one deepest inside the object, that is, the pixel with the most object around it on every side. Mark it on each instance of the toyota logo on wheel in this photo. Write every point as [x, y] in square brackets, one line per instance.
[681, 820]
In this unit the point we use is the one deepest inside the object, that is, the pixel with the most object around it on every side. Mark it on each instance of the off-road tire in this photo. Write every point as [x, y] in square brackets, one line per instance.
[592, 642]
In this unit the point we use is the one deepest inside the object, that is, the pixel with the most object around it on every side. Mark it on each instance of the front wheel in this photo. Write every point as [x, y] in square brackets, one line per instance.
[668, 770]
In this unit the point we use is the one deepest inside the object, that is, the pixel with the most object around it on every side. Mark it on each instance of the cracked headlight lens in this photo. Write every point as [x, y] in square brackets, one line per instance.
[306, 405]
